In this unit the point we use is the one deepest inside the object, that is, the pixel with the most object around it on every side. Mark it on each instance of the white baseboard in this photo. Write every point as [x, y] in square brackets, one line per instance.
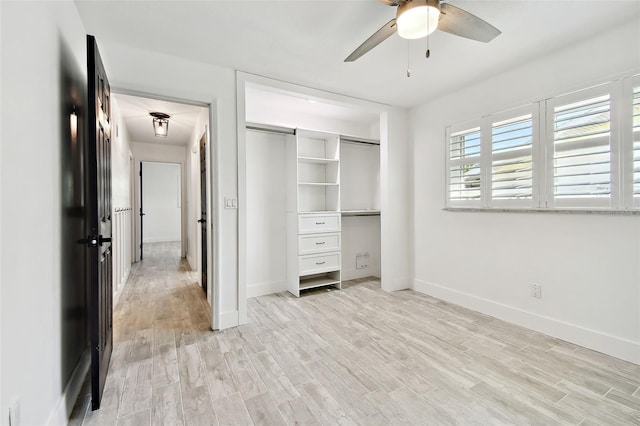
[64, 407]
[262, 289]
[395, 284]
[352, 273]
[592, 339]
[192, 263]
[229, 319]
[121, 286]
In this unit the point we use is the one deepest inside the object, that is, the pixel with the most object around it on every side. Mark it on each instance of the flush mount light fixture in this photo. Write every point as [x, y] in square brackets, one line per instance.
[417, 18]
[160, 123]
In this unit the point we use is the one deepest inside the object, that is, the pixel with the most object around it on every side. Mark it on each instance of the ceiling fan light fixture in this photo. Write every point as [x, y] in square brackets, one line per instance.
[417, 18]
[160, 124]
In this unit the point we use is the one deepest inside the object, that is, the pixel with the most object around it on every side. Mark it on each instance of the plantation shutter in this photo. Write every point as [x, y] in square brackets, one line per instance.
[582, 148]
[511, 153]
[636, 144]
[464, 165]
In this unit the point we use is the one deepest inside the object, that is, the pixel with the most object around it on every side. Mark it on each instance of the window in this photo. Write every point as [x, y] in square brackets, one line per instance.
[511, 155]
[577, 151]
[464, 165]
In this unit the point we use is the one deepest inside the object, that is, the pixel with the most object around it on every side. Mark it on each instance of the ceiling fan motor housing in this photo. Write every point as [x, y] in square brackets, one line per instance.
[417, 18]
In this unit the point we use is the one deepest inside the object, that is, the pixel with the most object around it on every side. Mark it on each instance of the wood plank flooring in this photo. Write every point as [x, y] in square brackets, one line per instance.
[353, 356]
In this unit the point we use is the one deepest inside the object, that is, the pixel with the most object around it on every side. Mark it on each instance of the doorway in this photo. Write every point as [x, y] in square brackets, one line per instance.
[160, 205]
[169, 183]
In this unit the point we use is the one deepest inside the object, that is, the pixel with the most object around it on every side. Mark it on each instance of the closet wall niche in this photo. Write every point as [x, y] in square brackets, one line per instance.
[313, 193]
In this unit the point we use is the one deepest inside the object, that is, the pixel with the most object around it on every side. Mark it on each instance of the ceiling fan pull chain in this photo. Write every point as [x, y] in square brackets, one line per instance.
[408, 61]
[428, 52]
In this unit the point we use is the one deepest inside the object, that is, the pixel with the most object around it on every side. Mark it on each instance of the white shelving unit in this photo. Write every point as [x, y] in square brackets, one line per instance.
[313, 211]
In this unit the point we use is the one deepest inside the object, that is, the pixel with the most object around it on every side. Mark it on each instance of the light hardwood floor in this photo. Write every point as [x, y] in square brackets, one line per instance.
[355, 356]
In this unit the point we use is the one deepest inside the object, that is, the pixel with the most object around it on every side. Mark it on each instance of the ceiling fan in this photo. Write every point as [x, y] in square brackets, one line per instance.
[419, 18]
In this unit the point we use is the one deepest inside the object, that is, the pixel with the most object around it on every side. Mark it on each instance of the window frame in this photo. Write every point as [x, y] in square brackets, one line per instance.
[629, 201]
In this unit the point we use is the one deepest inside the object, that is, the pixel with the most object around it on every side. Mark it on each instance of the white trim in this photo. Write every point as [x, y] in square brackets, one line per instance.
[229, 319]
[611, 345]
[121, 285]
[353, 273]
[403, 283]
[269, 287]
[243, 290]
[66, 402]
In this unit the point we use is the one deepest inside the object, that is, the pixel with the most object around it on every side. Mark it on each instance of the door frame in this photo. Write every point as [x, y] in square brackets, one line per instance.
[213, 191]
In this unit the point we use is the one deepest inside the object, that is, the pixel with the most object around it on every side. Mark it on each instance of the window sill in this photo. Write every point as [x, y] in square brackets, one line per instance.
[529, 210]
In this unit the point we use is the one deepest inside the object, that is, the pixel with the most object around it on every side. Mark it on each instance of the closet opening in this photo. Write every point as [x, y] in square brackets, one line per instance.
[312, 193]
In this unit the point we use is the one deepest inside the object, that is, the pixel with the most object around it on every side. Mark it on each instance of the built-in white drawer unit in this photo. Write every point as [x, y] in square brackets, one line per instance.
[318, 243]
[316, 223]
[315, 264]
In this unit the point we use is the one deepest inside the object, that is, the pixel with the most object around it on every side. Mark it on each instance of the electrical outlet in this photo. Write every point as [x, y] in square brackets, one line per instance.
[536, 291]
[14, 413]
[362, 260]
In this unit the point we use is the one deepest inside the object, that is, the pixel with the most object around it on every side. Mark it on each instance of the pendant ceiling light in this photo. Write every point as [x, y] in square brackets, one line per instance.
[417, 18]
[160, 123]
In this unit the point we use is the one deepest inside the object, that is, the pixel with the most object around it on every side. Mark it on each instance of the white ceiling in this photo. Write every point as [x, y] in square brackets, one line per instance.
[135, 114]
[305, 42]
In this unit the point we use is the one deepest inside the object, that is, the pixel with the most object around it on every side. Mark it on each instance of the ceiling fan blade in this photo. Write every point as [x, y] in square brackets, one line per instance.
[459, 22]
[378, 37]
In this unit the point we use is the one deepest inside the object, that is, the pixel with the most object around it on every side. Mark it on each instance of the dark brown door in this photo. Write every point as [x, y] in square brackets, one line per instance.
[203, 209]
[99, 220]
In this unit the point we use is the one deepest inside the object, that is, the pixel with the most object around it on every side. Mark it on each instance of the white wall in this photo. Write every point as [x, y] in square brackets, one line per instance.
[122, 210]
[41, 42]
[162, 202]
[587, 264]
[266, 213]
[396, 200]
[120, 159]
[148, 72]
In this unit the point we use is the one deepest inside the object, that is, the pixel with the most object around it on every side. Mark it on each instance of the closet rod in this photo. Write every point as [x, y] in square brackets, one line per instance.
[289, 131]
[270, 129]
[351, 139]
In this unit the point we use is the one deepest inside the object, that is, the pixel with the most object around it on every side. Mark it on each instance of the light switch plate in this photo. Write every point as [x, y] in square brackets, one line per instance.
[230, 203]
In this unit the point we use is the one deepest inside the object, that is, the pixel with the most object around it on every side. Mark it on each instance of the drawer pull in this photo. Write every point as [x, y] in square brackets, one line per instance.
[319, 223]
[320, 263]
[320, 243]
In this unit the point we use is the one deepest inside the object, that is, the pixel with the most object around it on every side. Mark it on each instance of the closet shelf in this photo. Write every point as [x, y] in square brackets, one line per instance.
[360, 213]
[307, 283]
[316, 160]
